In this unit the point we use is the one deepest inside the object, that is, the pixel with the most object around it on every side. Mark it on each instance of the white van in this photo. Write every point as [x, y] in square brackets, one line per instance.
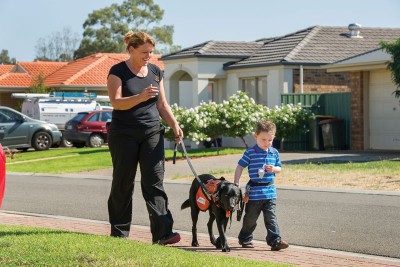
[59, 107]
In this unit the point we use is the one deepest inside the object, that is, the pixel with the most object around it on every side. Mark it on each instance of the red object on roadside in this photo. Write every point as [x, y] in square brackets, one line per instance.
[2, 174]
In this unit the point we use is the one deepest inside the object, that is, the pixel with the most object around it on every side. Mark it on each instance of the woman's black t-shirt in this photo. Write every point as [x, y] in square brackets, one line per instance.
[146, 113]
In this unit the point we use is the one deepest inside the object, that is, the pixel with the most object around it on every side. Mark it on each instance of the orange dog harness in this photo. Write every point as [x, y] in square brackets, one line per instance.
[202, 201]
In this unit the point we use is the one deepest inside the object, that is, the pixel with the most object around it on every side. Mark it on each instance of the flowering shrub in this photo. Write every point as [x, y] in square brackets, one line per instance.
[190, 120]
[240, 114]
[290, 120]
[237, 117]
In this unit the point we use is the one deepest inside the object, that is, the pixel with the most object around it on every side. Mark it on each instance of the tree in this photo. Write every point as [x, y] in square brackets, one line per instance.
[38, 84]
[60, 46]
[5, 58]
[394, 66]
[105, 28]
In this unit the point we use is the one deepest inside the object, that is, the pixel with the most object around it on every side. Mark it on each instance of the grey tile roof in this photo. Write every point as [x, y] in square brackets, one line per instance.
[274, 50]
[217, 49]
[316, 46]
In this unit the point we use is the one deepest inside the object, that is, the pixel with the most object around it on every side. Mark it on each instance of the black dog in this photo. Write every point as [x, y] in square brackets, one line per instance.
[226, 198]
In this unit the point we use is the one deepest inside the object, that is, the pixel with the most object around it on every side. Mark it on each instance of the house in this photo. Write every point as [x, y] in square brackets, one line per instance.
[267, 68]
[376, 114]
[85, 74]
[20, 77]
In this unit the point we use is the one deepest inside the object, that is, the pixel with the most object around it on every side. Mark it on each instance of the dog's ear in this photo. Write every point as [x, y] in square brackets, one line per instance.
[222, 178]
[221, 187]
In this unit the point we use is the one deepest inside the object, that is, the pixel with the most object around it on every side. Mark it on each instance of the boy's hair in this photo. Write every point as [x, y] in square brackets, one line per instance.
[266, 126]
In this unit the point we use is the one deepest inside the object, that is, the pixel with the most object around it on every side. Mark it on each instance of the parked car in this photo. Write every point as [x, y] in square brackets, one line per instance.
[19, 131]
[88, 128]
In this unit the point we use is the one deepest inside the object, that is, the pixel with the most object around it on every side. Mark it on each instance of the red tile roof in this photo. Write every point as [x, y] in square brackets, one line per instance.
[15, 80]
[91, 70]
[88, 71]
[5, 68]
[44, 67]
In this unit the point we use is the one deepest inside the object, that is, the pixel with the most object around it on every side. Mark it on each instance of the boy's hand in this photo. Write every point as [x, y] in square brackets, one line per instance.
[269, 168]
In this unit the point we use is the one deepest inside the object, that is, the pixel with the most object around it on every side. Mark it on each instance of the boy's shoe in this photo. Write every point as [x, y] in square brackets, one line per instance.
[280, 245]
[246, 244]
[170, 239]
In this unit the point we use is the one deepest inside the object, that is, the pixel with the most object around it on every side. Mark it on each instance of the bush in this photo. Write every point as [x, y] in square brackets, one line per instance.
[237, 117]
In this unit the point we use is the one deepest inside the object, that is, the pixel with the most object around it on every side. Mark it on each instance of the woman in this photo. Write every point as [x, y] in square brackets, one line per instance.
[136, 92]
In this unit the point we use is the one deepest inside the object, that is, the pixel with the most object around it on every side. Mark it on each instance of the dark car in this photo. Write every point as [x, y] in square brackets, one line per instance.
[88, 128]
[19, 131]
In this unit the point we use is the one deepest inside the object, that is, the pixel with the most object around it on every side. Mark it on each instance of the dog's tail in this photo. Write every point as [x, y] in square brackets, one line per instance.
[185, 204]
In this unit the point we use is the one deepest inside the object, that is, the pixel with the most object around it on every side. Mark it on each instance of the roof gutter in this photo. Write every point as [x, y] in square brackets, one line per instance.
[205, 56]
[356, 66]
[274, 64]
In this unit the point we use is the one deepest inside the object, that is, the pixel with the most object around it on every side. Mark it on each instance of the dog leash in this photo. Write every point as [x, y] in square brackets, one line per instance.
[207, 193]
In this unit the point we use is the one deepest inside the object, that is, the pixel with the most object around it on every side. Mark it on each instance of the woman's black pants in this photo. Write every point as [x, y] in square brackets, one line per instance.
[130, 147]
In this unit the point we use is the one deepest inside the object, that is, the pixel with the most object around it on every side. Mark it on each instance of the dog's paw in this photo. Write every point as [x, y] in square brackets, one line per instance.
[226, 249]
[195, 244]
[217, 243]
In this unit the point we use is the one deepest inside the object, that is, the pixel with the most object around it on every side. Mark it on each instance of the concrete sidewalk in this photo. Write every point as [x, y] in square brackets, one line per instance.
[299, 256]
[226, 162]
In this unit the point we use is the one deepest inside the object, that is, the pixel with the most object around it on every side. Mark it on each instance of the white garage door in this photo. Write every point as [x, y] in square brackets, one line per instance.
[384, 112]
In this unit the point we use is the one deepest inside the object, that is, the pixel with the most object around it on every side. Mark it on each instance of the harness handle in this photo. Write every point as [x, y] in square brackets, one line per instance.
[175, 150]
[207, 193]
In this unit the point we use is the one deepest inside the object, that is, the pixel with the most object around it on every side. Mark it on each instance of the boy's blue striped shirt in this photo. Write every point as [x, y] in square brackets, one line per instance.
[254, 158]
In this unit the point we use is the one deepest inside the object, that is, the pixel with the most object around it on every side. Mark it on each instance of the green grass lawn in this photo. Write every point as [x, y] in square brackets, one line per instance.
[27, 246]
[69, 160]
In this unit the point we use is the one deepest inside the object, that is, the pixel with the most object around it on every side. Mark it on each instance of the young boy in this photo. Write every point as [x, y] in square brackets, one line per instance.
[263, 162]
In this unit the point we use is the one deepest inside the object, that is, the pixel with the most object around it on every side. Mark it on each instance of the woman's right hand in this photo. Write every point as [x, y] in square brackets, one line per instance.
[149, 92]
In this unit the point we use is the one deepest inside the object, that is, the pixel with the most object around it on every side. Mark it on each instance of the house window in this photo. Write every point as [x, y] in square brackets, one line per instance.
[256, 88]
[211, 90]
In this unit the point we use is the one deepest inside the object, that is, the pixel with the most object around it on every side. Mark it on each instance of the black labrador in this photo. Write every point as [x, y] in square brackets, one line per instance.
[226, 198]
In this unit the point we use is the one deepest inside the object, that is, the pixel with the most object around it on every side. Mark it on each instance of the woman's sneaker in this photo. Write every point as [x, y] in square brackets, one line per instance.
[280, 245]
[170, 239]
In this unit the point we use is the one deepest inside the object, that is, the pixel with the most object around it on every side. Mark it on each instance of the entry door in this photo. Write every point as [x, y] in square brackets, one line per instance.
[186, 94]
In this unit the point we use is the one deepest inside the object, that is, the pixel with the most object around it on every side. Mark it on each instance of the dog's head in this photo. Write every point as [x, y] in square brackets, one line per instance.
[229, 196]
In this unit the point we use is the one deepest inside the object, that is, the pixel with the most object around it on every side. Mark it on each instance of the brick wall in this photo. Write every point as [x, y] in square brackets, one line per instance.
[8, 101]
[319, 81]
[357, 111]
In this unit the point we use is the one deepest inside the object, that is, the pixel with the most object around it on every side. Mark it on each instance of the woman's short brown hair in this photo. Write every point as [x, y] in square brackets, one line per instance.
[136, 39]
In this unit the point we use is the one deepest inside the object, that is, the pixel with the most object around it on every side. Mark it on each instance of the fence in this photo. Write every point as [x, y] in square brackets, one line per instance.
[329, 104]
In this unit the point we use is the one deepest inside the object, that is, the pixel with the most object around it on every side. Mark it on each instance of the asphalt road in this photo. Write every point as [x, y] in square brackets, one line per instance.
[354, 222]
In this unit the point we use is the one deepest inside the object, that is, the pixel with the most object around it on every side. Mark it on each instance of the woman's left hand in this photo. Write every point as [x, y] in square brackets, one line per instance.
[178, 133]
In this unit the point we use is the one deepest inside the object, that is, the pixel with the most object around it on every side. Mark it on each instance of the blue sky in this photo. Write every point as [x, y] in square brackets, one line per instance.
[22, 23]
